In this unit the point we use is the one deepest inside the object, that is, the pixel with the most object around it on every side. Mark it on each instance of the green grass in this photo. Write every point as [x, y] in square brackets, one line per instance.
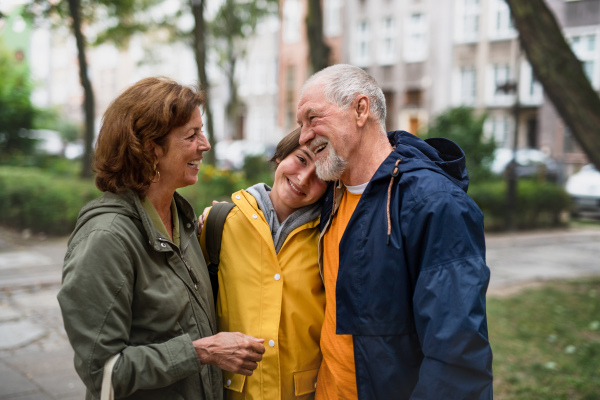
[546, 342]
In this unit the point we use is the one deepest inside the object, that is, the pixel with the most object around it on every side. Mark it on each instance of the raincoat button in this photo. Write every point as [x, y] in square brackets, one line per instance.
[254, 216]
[271, 343]
[238, 197]
[188, 225]
[277, 277]
[163, 245]
[228, 382]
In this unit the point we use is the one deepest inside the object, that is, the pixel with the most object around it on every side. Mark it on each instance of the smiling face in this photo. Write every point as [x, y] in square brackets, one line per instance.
[328, 131]
[296, 184]
[179, 160]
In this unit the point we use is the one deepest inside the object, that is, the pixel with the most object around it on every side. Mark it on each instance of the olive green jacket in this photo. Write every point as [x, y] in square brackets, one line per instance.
[128, 289]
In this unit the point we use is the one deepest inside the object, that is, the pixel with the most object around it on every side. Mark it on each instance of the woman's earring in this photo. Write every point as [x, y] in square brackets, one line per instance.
[156, 177]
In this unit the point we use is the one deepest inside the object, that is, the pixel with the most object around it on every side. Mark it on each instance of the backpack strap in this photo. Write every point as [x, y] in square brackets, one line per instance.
[214, 233]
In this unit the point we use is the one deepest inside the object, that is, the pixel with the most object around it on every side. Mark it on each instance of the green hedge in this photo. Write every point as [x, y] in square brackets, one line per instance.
[213, 184]
[539, 204]
[44, 202]
[31, 198]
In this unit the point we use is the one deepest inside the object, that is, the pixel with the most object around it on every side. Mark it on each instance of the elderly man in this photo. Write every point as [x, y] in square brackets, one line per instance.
[402, 252]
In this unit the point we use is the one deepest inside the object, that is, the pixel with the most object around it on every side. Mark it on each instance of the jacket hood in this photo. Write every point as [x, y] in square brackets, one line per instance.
[437, 154]
[127, 203]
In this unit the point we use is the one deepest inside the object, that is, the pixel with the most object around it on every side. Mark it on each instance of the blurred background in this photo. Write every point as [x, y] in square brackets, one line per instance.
[514, 82]
[456, 68]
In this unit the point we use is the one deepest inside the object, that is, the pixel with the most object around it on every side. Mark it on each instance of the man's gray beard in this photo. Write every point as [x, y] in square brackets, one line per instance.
[332, 167]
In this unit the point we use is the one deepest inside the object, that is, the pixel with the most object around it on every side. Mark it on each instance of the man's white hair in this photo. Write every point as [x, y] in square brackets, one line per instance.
[343, 82]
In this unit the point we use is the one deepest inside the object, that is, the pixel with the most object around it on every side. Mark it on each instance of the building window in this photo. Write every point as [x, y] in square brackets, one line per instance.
[332, 10]
[415, 46]
[500, 25]
[362, 44]
[570, 144]
[498, 75]
[292, 13]
[497, 128]
[413, 98]
[467, 21]
[532, 134]
[468, 86]
[387, 43]
[585, 48]
[530, 91]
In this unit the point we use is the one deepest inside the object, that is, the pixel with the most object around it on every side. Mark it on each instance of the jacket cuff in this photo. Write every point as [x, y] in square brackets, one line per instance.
[184, 360]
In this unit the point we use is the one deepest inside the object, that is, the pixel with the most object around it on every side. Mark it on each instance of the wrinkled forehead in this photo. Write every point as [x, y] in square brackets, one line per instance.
[313, 91]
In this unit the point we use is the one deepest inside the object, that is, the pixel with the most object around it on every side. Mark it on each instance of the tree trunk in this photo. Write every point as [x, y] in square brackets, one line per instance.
[318, 49]
[200, 52]
[88, 92]
[560, 72]
[233, 105]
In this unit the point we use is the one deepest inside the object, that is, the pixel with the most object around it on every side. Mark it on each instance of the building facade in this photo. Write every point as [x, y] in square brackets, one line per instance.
[429, 56]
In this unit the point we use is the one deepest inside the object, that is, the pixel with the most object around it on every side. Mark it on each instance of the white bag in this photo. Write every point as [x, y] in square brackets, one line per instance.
[107, 392]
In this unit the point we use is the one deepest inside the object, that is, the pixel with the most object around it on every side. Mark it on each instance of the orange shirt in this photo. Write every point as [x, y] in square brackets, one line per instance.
[337, 375]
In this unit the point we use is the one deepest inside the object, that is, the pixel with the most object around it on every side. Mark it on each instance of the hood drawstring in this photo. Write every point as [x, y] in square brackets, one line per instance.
[395, 173]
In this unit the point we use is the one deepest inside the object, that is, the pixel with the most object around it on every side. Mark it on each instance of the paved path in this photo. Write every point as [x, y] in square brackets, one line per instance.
[36, 360]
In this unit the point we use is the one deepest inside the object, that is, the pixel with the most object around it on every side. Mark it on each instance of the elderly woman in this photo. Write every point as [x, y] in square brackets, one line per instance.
[134, 279]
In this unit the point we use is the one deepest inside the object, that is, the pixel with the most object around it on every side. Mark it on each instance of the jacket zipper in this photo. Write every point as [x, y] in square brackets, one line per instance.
[189, 269]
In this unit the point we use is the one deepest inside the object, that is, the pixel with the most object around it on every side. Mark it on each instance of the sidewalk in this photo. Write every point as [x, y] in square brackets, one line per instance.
[528, 259]
[36, 360]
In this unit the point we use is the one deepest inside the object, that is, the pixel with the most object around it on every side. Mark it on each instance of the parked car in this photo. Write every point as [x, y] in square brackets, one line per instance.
[530, 163]
[584, 189]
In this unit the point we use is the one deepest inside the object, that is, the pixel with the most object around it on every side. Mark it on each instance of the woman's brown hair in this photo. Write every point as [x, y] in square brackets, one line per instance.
[146, 112]
[286, 146]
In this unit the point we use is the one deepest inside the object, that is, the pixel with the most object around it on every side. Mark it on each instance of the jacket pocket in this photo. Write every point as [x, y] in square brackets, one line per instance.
[233, 381]
[305, 381]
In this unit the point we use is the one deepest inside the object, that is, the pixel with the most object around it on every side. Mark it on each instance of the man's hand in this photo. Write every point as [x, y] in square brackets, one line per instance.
[231, 351]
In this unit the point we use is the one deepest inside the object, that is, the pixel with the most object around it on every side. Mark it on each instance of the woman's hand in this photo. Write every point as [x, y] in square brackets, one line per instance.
[231, 351]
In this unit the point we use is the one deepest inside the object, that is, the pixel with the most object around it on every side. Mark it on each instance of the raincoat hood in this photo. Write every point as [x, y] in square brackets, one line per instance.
[440, 155]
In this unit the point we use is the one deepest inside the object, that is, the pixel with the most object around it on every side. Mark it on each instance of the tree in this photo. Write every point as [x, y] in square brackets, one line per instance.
[86, 84]
[463, 127]
[318, 49]
[560, 72]
[16, 110]
[199, 35]
[119, 17]
[235, 21]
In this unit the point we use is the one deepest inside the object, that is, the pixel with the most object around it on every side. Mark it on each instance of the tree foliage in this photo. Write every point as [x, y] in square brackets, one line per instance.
[114, 20]
[16, 110]
[465, 129]
[560, 72]
[235, 21]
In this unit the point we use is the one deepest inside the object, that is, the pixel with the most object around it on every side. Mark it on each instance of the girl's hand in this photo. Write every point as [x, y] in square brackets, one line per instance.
[202, 218]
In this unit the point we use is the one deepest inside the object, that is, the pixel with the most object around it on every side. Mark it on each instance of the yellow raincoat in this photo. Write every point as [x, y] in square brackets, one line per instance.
[277, 297]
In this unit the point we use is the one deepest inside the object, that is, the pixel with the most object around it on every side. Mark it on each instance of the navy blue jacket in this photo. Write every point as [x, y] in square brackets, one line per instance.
[414, 300]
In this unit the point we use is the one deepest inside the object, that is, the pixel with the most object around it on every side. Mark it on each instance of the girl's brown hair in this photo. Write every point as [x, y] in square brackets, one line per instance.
[144, 113]
[286, 146]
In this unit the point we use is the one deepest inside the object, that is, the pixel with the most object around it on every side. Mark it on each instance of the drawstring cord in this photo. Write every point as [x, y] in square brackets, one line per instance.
[395, 173]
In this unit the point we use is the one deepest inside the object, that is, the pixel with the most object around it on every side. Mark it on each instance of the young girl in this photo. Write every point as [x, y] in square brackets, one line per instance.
[269, 281]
